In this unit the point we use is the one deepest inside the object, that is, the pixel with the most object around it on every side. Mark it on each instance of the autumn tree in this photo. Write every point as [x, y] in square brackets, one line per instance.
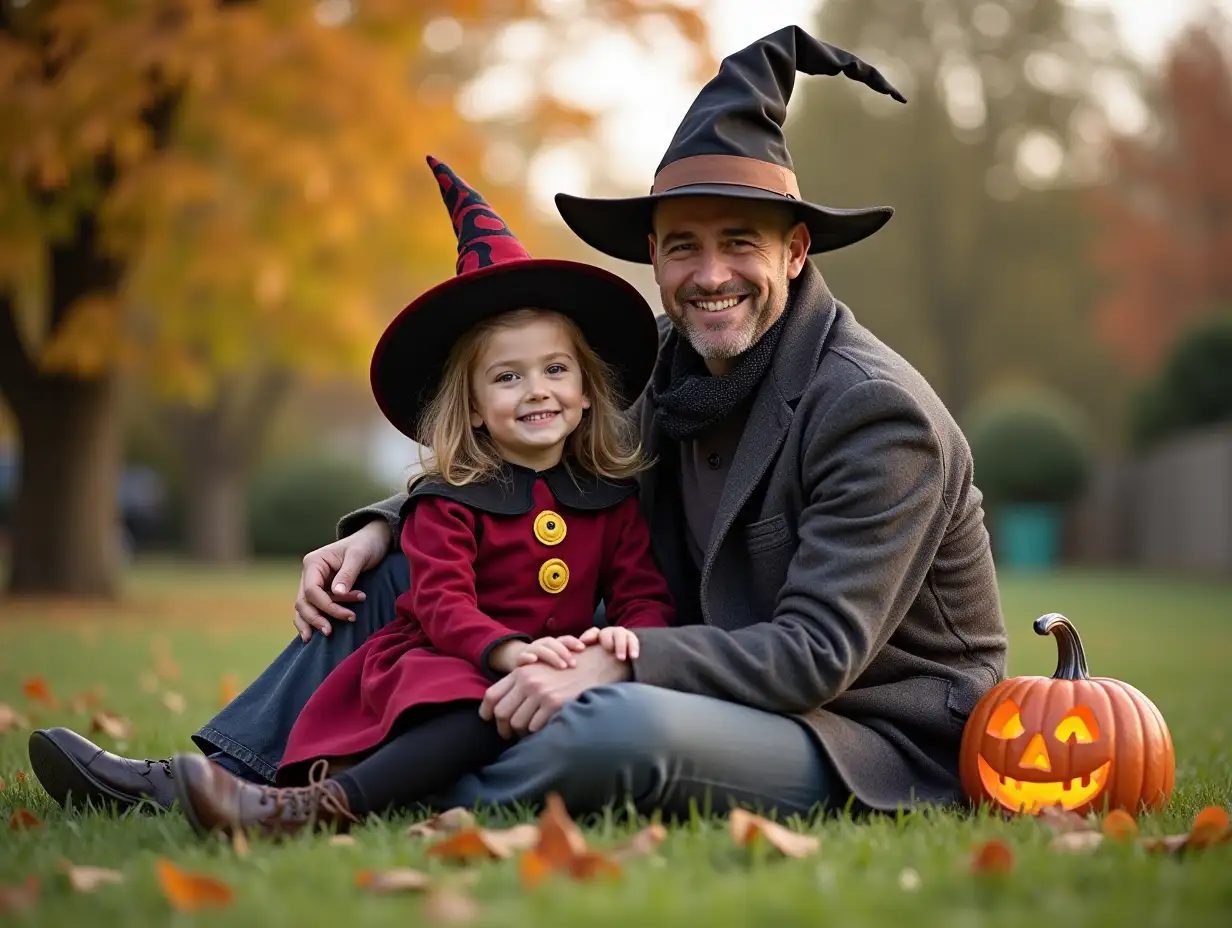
[213, 195]
[1165, 242]
[980, 277]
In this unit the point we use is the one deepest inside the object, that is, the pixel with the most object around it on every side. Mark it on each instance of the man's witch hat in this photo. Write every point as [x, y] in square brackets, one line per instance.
[494, 274]
[731, 144]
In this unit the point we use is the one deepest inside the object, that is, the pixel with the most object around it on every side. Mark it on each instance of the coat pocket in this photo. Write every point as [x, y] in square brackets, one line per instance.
[767, 534]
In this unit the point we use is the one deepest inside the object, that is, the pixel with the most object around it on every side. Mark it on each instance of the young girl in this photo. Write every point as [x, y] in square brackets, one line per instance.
[524, 519]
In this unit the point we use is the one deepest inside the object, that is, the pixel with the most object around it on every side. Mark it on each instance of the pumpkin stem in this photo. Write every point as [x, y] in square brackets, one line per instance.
[1071, 658]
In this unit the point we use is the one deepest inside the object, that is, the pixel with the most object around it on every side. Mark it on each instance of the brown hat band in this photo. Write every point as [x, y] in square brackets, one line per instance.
[727, 169]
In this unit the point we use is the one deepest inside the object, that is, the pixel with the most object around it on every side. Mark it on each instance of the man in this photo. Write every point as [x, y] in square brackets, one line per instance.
[812, 509]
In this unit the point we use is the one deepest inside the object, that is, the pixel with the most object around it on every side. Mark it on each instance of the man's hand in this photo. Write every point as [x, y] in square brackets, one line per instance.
[339, 563]
[524, 701]
[615, 640]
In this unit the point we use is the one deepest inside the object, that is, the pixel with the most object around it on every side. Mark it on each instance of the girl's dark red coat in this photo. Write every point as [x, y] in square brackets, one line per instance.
[520, 557]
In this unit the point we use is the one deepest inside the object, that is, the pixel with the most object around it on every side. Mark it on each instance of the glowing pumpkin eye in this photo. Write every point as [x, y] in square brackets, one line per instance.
[1005, 722]
[1078, 726]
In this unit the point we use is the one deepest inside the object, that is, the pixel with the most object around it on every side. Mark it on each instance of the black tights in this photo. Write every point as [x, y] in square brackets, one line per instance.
[422, 760]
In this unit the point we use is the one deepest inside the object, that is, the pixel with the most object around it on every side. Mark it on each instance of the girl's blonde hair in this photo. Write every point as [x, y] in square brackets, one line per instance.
[604, 443]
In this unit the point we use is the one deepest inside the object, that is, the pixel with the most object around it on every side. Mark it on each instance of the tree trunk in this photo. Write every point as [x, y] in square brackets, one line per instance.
[219, 446]
[66, 528]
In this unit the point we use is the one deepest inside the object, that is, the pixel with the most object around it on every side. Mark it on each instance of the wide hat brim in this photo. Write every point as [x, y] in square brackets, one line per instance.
[613, 316]
[619, 227]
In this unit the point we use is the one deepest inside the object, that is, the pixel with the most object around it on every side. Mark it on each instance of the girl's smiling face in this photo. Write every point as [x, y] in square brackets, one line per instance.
[528, 391]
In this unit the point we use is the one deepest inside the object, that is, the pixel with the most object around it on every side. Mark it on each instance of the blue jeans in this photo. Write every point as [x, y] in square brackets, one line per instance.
[656, 748]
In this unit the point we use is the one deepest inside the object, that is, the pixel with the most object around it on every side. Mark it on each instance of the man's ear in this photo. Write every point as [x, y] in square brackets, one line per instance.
[798, 243]
[654, 253]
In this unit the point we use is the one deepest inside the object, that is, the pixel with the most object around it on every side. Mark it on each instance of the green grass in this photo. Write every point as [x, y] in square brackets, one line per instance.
[1170, 638]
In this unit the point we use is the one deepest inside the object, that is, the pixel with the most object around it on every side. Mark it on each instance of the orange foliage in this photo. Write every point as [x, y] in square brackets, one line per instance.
[282, 210]
[1166, 241]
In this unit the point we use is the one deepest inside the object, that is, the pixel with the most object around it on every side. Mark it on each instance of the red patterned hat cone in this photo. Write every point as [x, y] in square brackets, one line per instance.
[494, 273]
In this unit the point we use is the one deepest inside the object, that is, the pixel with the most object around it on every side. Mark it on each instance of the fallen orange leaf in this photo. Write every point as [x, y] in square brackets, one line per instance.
[1210, 827]
[560, 839]
[1061, 821]
[591, 864]
[112, 725]
[85, 701]
[19, 898]
[532, 869]
[21, 776]
[746, 828]
[88, 879]
[395, 880]
[992, 856]
[1119, 825]
[11, 720]
[482, 844]
[167, 668]
[23, 819]
[37, 690]
[228, 689]
[1077, 842]
[189, 892]
[1, 784]
[443, 823]
[174, 701]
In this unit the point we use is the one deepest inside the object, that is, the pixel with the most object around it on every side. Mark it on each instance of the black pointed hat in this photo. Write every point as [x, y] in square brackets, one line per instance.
[731, 144]
[494, 273]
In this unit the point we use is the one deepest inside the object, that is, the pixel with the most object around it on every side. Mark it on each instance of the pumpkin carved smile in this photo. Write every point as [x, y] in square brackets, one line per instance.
[1070, 740]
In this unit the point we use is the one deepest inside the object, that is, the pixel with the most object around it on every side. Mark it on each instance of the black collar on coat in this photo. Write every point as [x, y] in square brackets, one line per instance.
[512, 492]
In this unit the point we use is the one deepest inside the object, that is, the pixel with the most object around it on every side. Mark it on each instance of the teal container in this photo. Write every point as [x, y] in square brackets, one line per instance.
[1028, 536]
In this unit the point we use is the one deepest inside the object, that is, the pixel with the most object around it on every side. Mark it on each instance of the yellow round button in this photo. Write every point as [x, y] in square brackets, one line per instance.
[549, 527]
[554, 575]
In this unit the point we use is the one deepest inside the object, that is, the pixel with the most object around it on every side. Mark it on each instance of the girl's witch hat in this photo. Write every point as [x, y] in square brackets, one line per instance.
[731, 144]
[495, 274]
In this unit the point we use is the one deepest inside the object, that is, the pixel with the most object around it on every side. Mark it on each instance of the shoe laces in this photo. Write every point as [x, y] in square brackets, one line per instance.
[305, 802]
[162, 762]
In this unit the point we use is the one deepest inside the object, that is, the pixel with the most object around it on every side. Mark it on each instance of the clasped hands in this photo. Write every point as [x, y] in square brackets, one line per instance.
[543, 675]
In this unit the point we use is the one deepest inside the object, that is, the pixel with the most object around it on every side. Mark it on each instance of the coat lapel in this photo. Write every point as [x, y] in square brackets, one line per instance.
[795, 360]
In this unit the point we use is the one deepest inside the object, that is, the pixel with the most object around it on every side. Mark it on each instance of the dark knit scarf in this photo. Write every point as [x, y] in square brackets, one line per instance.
[689, 399]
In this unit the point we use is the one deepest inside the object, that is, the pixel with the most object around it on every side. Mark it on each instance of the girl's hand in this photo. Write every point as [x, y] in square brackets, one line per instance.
[617, 641]
[555, 652]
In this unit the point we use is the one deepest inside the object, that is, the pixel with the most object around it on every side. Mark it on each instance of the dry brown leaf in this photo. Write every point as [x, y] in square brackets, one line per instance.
[746, 828]
[85, 701]
[21, 777]
[12, 720]
[1062, 821]
[1, 784]
[443, 823]
[342, 840]
[1210, 828]
[471, 844]
[149, 682]
[450, 905]
[395, 880]
[121, 729]
[37, 690]
[642, 844]
[1119, 825]
[228, 689]
[174, 701]
[239, 843]
[190, 892]
[991, 857]
[1077, 842]
[19, 898]
[591, 864]
[560, 839]
[88, 879]
[24, 819]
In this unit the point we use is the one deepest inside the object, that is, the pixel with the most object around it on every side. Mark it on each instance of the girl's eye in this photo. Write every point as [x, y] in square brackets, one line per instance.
[506, 377]
[556, 368]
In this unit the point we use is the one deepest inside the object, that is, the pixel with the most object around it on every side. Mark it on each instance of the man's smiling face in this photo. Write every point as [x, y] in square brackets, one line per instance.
[723, 267]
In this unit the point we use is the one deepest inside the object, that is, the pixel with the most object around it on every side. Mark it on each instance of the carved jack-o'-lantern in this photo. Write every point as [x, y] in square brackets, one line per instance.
[1069, 740]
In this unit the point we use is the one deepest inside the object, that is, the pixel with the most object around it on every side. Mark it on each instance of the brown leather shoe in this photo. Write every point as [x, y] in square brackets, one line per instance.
[214, 800]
